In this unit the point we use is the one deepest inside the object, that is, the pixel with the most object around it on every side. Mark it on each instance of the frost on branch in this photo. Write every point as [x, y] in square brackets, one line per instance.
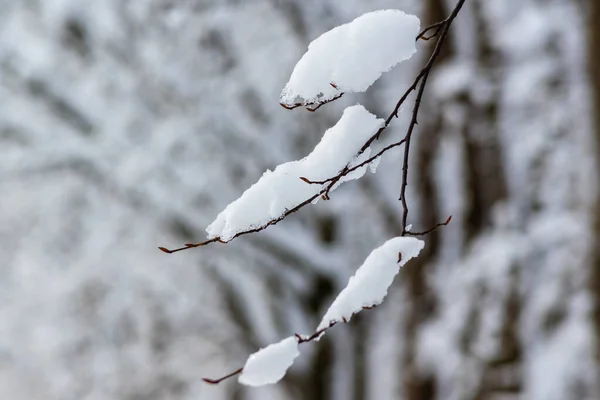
[370, 283]
[282, 189]
[270, 364]
[351, 57]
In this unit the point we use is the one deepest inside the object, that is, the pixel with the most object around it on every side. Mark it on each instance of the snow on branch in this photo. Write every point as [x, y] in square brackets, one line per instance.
[369, 285]
[348, 58]
[357, 166]
[365, 290]
[351, 57]
[281, 190]
[270, 364]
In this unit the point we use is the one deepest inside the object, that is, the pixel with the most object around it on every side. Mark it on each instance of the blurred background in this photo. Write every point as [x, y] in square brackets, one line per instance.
[125, 125]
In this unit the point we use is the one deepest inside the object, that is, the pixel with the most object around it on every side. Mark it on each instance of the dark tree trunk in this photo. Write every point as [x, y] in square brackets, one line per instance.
[594, 71]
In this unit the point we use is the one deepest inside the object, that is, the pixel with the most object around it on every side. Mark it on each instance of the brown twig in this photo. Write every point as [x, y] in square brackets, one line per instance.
[445, 24]
[424, 74]
[437, 25]
[428, 231]
[346, 171]
[408, 136]
[254, 230]
[221, 379]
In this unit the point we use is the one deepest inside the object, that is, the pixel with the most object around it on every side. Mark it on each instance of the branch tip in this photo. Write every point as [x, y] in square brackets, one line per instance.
[221, 379]
[165, 250]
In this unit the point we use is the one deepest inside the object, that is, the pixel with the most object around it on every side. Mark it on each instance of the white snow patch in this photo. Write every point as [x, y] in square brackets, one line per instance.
[370, 283]
[352, 56]
[282, 189]
[269, 365]
[374, 164]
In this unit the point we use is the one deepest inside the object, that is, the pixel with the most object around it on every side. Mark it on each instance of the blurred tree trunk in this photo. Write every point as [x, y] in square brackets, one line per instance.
[484, 186]
[420, 297]
[473, 117]
[594, 71]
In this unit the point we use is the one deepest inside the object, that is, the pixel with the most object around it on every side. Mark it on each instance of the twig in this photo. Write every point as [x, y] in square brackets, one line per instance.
[316, 335]
[354, 168]
[272, 222]
[221, 379]
[428, 231]
[437, 25]
[324, 193]
[408, 136]
[445, 26]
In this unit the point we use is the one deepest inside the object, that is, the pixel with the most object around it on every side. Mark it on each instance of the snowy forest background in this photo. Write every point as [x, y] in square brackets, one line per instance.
[125, 125]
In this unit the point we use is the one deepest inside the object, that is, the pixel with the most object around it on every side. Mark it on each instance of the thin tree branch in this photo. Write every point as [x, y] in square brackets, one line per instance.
[420, 82]
[272, 222]
[437, 25]
[221, 379]
[408, 136]
[428, 231]
[436, 52]
[445, 27]
[354, 168]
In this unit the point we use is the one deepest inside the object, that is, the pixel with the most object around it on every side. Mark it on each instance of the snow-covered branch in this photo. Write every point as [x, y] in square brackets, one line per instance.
[365, 290]
[346, 59]
[241, 217]
[350, 58]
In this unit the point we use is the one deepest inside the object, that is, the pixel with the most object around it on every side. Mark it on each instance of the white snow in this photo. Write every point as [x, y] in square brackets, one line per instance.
[269, 365]
[282, 189]
[76, 226]
[370, 283]
[351, 57]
